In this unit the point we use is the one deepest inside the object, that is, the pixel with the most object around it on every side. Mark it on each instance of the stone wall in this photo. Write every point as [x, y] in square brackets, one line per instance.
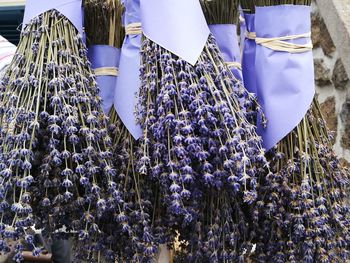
[332, 85]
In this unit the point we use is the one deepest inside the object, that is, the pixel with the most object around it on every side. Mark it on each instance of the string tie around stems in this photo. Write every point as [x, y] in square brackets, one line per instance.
[133, 29]
[250, 35]
[106, 71]
[280, 44]
[234, 64]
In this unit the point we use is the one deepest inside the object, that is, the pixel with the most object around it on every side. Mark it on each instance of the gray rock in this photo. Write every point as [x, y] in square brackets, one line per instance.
[329, 112]
[340, 77]
[322, 73]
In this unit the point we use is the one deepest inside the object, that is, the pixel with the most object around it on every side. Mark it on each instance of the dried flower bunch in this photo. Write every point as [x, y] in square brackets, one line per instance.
[103, 23]
[138, 245]
[222, 18]
[216, 14]
[55, 155]
[196, 143]
[303, 209]
[248, 6]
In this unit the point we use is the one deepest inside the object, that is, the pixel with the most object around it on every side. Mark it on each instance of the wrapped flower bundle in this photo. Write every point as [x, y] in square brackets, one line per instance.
[194, 164]
[303, 208]
[104, 47]
[106, 16]
[222, 18]
[200, 148]
[56, 162]
[104, 53]
[248, 54]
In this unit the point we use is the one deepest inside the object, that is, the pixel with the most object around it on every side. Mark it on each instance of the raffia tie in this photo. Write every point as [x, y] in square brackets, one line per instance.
[133, 29]
[250, 35]
[106, 71]
[280, 44]
[232, 64]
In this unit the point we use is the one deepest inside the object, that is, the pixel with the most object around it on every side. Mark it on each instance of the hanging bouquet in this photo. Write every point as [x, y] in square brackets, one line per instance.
[55, 154]
[111, 56]
[222, 18]
[104, 47]
[303, 210]
[249, 47]
[197, 142]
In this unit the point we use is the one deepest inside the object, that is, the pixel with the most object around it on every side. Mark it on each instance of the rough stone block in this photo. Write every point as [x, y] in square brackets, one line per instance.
[340, 77]
[315, 29]
[322, 73]
[326, 41]
[345, 117]
[330, 115]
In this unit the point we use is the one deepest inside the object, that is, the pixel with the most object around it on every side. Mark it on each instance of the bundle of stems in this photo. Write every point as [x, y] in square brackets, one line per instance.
[304, 212]
[200, 148]
[104, 26]
[56, 161]
[104, 15]
[303, 208]
[281, 2]
[216, 14]
[222, 18]
[248, 6]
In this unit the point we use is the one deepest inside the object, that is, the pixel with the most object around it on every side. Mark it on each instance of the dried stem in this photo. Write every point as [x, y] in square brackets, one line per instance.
[103, 22]
[220, 11]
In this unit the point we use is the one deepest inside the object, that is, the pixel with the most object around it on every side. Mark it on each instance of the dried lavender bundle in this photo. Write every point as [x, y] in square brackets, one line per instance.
[220, 12]
[248, 6]
[303, 207]
[249, 46]
[200, 148]
[304, 214]
[55, 153]
[106, 15]
[222, 18]
[137, 192]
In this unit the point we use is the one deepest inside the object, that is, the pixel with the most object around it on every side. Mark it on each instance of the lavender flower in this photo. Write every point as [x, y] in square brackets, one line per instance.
[303, 207]
[51, 135]
[201, 149]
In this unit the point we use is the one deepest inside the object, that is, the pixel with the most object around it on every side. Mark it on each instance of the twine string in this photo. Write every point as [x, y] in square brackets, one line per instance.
[133, 29]
[234, 64]
[250, 35]
[106, 71]
[280, 44]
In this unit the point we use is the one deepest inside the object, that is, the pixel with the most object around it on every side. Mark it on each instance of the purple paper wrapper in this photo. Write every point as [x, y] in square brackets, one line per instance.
[226, 38]
[128, 82]
[105, 56]
[248, 57]
[71, 9]
[285, 81]
[243, 28]
[177, 25]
